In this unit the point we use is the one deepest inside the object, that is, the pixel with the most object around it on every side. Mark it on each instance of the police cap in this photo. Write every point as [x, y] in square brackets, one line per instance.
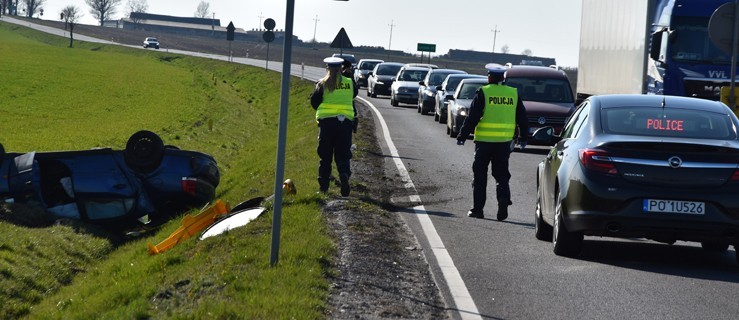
[333, 62]
[495, 69]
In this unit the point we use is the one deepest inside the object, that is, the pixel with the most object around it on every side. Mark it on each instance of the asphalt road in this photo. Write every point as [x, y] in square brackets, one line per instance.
[507, 273]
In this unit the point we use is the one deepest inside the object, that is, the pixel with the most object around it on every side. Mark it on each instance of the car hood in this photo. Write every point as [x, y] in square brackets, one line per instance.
[534, 108]
[405, 84]
[463, 102]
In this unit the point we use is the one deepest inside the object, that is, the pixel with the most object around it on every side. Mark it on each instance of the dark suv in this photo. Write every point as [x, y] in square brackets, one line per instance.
[546, 94]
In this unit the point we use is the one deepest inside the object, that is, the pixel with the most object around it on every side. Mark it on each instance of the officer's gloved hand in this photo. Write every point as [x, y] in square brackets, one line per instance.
[460, 140]
[522, 144]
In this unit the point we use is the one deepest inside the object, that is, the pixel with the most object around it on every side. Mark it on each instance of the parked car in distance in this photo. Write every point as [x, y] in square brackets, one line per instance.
[546, 94]
[427, 88]
[108, 187]
[405, 87]
[151, 42]
[347, 56]
[641, 166]
[460, 102]
[445, 91]
[364, 67]
[422, 65]
[381, 78]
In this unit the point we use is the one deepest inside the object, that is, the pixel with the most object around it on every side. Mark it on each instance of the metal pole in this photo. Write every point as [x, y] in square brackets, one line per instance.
[732, 98]
[282, 132]
[315, 26]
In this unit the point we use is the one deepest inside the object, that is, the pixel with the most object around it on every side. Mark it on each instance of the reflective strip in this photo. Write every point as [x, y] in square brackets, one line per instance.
[496, 125]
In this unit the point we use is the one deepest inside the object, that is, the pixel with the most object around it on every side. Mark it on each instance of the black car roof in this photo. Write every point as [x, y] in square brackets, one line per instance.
[641, 100]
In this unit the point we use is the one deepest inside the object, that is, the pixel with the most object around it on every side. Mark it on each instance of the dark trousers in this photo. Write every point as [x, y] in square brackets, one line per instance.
[494, 154]
[334, 144]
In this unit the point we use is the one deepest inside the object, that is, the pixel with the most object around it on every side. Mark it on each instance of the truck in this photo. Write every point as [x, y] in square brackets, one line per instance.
[650, 47]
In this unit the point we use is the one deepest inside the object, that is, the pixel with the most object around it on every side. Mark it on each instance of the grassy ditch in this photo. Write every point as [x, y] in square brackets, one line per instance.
[59, 98]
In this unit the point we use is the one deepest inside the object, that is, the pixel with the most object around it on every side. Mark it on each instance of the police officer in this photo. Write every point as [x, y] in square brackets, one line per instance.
[494, 113]
[333, 100]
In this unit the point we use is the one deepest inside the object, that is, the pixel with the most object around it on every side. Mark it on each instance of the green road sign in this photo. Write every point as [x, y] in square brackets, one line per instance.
[426, 47]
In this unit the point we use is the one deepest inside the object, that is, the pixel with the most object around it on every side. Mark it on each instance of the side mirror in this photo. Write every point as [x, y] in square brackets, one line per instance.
[450, 98]
[421, 83]
[656, 45]
[369, 74]
[438, 88]
[544, 135]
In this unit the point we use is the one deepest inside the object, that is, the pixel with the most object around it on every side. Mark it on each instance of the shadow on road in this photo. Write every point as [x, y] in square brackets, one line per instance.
[677, 260]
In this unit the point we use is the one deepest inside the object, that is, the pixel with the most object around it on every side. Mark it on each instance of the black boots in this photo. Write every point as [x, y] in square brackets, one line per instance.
[502, 212]
[345, 187]
[473, 214]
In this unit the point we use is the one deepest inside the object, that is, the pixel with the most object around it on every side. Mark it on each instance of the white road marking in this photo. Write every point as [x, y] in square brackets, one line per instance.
[462, 300]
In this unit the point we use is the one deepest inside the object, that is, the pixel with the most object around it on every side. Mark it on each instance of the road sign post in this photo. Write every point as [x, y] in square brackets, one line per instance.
[426, 47]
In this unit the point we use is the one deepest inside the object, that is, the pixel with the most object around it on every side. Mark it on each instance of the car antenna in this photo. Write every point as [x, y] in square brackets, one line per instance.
[663, 101]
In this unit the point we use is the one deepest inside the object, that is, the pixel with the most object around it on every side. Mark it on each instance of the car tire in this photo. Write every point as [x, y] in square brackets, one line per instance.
[368, 92]
[436, 116]
[564, 243]
[144, 151]
[542, 230]
[393, 102]
[712, 246]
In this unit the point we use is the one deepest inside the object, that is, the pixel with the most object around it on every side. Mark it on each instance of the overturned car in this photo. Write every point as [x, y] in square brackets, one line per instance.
[111, 187]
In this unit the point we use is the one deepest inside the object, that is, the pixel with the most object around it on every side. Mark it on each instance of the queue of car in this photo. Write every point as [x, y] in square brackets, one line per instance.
[663, 168]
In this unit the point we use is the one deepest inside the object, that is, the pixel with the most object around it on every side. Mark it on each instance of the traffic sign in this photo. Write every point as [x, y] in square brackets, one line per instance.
[721, 27]
[268, 36]
[230, 31]
[342, 41]
[426, 47]
[269, 24]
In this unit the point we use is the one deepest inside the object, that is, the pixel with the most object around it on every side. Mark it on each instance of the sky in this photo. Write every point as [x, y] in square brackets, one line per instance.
[548, 28]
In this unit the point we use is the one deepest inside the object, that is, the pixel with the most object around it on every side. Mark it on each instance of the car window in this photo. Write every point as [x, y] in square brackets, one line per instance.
[666, 122]
[468, 90]
[368, 65]
[387, 70]
[412, 75]
[542, 90]
[572, 127]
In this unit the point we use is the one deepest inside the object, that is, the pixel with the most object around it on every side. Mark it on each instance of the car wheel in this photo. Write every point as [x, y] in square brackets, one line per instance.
[712, 246]
[144, 151]
[542, 230]
[368, 92]
[564, 243]
[437, 118]
[453, 130]
[393, 102]
[423, 111]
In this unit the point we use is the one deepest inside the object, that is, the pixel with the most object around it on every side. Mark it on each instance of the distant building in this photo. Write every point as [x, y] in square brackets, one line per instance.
[204, 27]
[499, 58]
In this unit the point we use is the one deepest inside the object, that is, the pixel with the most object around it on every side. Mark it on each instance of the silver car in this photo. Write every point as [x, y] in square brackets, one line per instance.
[459, 104]
[405, 87]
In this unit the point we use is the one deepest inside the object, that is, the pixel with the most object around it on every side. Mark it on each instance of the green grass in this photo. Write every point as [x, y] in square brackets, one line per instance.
[59, 98]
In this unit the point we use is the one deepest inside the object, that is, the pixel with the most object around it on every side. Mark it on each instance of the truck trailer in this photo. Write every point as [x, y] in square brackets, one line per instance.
[650, 47]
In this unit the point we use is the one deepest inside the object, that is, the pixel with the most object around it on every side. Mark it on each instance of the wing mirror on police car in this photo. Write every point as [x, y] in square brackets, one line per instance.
[438, 87]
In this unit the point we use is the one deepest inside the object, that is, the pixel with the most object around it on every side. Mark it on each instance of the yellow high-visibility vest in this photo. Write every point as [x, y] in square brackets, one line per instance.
[498, 123]
[338, 102]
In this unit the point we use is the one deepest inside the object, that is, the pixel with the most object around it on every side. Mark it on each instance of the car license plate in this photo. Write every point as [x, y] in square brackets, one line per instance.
[674, 206]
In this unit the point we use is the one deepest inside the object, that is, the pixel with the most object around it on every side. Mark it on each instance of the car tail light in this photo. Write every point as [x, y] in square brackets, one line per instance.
[189, 185]
[597, 160]
[735, 175]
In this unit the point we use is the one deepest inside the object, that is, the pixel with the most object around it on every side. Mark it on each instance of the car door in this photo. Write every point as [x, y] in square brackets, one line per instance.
[554, 159]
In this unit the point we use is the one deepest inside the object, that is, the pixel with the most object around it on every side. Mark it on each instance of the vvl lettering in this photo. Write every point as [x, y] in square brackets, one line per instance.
[665, 124]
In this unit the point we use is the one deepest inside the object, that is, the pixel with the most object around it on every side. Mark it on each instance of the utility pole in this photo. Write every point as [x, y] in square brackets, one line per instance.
[391, 34]
[260, 21]
[213, 24]
[315, 26]
[495, 36]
